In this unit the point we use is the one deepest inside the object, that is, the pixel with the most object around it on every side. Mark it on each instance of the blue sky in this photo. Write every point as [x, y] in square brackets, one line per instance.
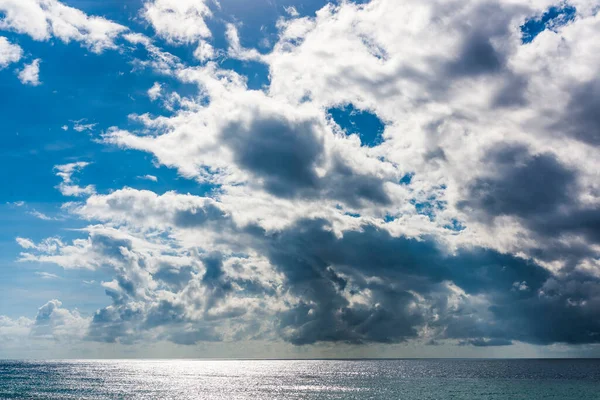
[320, 177]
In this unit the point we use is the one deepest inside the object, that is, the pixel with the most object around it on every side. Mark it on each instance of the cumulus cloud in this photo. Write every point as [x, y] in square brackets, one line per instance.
[30, 75]
[178, 22]
[9, 53]
[55, 322]
[155, 91]
[68, 187]
[44, 19]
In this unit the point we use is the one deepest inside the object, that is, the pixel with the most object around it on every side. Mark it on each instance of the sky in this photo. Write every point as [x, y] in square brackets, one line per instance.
[299, 179]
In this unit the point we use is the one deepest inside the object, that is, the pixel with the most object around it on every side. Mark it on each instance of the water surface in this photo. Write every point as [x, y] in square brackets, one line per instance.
[314, 379]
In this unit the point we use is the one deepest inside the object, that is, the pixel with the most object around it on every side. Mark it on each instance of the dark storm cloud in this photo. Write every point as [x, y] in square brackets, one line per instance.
[174, 277]
[112, 324]
[512, 92]
[487, 343]
[543, 194]
[192, 336]
[215, 280]
[523, 184]
[352, 187]
[284, 155]
[526, 302]
[195, 217]
[477, 56]
[582, 119]
[165, 313]
[109, 246]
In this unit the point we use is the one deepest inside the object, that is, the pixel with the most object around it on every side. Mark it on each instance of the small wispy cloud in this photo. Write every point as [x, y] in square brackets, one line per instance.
[47, 275]
[42, 216]
[155, 91]
[80, 126]
[30, 75]
[292, 12]
[148, 178]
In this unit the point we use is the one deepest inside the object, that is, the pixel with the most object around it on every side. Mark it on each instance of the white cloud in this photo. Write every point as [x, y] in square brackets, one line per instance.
[155, 91]
[59, 324]
[79, 126]
[149, 178]
[47, 275]
[44, 19]
[14, 330]
[181, 21]
[68, 187]
[205, 51]
[159, 60]
[25, 243]
[42, 216]
[30, 75]
[292, 12]
[9, 53]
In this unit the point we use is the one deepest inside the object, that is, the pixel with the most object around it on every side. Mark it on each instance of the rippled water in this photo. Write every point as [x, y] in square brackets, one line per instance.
[316, 379]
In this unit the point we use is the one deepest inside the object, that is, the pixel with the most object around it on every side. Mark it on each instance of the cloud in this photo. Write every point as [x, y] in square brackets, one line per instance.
[14, 330]
[9, 53]
[151, 178]
[291, 11]
[291, 152]
[47, 275]
[42, 216]
[179, 22]
[44, 19]
[59, 324]
[79, 126]
[581, 121]
[30, 75]
[155, 91]
[68, 187]
[205, 51]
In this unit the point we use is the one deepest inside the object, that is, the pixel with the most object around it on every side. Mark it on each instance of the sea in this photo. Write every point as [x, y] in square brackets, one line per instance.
[301, 379]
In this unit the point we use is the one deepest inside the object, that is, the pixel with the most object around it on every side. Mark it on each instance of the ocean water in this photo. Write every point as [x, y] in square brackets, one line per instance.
[315, 379]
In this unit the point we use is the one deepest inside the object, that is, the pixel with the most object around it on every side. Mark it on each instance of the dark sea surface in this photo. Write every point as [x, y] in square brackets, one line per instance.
[317, 379]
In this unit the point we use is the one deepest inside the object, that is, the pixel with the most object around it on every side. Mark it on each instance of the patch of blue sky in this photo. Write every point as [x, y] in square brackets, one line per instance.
[455, 226]
[359, 122]
[25, 287]
[353, 215]
[389, 218]
[553, 18]
[429, 208]
[407, 179]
